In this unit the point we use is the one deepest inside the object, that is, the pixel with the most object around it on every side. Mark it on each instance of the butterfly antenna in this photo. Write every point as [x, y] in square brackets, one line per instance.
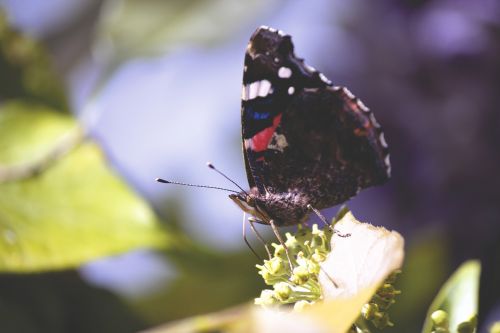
[160, 180]
[211, 166]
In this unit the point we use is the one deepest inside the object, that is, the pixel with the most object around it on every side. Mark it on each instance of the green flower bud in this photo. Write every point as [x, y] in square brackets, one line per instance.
[279, 250]
[300, 275]
[313, 267]
[292, 244]
[303, 234]
[387, 290]
[440, 319]
[301, 305]
[266, 298]
[318, 256]
[276, 265]
[282, 291]
[369, 311]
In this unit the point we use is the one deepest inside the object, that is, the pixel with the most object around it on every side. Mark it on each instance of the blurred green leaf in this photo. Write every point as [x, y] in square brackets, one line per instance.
[237, 319]
[60, 302]
[131, 28]
[427, 251]
[458, 297]
[215, 280]
[26, 70]
[28, 132]
[74, 211]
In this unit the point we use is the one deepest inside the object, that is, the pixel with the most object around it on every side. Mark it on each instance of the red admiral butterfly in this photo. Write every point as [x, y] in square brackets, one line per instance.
[305, 142]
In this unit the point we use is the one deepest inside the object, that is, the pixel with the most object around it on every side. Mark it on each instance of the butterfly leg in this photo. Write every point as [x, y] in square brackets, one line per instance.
[245, 237]
[323, 219]
[276, 232]
[329, 277]
[318, 213]
[251, 221]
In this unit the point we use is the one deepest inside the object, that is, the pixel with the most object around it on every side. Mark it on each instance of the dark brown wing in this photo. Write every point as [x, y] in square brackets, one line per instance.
[328, 146]
[300, 134]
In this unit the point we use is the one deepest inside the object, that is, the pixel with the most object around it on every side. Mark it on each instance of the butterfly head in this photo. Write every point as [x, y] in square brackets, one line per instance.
[247, 201]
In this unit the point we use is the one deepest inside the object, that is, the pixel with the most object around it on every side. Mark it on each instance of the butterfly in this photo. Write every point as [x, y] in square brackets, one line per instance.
[306, 143]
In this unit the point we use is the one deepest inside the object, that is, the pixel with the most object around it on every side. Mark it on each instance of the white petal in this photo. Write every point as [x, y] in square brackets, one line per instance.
[274, 320]
[362, 260]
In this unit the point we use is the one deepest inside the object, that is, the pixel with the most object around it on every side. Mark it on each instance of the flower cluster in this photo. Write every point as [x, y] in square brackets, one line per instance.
[300, 286]
[308, 248]
[376, 311]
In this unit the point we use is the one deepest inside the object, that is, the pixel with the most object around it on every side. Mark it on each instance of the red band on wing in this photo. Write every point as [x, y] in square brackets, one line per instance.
[260, 141]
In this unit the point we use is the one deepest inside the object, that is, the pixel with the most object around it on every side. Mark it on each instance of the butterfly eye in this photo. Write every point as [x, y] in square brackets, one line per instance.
[249, 200]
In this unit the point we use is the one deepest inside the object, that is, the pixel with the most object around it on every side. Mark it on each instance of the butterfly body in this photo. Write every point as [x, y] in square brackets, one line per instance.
[305, 142]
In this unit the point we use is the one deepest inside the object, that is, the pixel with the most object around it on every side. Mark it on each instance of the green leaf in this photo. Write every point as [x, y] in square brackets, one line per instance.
[458, 297]
[214, 279]
[131, 28]
[27, 71]
[73, 211]
[28, 132]
[428, 248]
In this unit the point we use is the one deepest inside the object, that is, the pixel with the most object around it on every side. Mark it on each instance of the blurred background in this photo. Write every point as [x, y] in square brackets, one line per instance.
[157, 84]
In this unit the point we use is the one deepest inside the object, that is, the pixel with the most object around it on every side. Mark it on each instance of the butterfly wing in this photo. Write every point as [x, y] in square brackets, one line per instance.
[330, 149]
[300, 134]
[269, 66]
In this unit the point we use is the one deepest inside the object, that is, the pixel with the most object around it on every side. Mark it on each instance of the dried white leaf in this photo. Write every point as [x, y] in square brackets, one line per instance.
[362, 260]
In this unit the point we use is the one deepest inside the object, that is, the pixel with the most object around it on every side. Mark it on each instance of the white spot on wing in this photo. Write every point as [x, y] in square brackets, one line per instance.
[253, 90]
[244, 92]
[291, 90]
[281, 33]
[248, 143]
[264, 88]
[349, 93]
[310, 68]
[324, 78]
[278, 142]
[387, 162]
[374, 121]
[382, 140]
[362, 106]
[284, 72]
